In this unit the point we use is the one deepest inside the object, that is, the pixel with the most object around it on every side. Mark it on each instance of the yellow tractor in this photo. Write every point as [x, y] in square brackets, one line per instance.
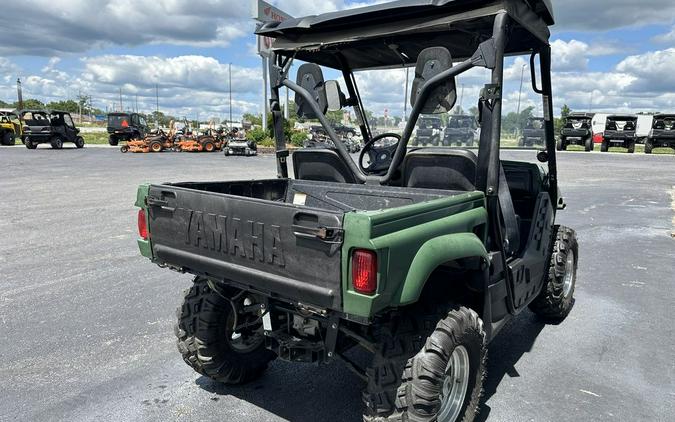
[10, 127]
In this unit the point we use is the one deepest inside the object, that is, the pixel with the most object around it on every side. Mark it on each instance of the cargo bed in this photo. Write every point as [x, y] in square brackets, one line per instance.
[281, 237]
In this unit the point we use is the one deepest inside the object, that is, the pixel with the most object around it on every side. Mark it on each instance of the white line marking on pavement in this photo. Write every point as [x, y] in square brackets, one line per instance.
[590, 393]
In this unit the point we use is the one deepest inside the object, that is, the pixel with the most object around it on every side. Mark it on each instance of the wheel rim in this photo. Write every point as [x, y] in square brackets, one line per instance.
[455, 385]
[568, 281]
[156, 148]
[243, 342]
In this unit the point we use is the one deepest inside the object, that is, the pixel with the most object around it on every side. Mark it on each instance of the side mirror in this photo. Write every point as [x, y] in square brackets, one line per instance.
[310, 77]
[542, 156]
[334, 96]
[431, 62]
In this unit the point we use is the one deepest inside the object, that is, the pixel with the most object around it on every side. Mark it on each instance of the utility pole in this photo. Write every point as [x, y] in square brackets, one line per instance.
[91, 106]
[461, 99]
[121, 105]
[590, 106]
[136, 103]
[520, 92]
[157, 105]
[19, 93]
[230, 75]
[79, 103]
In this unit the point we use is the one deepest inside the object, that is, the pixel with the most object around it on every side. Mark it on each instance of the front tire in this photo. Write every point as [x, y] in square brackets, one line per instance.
[30, 144]
[8, 139]
[57, 142]
[79, 142]
[557, 296]
[156, 146]
[649, 147]
[631, 147]
[207, 341]
[560, 145]
[442, 382]
[604, 147]
[589, 145]
[113, 141]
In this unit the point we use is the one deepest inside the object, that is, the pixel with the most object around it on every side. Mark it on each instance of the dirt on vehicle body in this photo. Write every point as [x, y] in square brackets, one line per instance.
[417, 256]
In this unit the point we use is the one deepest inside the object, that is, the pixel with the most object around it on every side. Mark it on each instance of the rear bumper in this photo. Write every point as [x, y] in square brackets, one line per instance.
[39, 138]
[264, 282]
[584, 134]
[662, 140]
[618, 137]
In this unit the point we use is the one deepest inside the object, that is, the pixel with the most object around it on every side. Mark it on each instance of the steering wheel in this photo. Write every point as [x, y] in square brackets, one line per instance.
[379, 153]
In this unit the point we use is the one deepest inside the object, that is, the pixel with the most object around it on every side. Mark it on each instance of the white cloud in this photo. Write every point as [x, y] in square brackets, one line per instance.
[604, 15]
[569, 56]
[667, 38]
[79, 25]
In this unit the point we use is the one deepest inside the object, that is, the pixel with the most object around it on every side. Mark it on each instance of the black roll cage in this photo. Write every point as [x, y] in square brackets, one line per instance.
[490, 55]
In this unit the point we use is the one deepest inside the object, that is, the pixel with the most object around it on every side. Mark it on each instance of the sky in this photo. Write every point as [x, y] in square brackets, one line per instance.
[608, 56]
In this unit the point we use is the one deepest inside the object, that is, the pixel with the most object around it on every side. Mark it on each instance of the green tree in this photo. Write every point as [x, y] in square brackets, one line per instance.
[30, 104]
[565, 111]
[68, 105]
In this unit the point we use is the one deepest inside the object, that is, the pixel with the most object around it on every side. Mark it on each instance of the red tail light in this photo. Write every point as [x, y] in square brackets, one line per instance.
[597, 138]
[142, 225]
[364, 271]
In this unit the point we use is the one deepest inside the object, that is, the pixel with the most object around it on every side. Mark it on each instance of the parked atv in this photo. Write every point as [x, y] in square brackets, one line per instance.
[533, 133]
[462, 130]
[417, 257]
[429, 131]
[620, 132]
[49, 127]
[662, 133]
[10, 127]
[126, 127]
[241, 146]
[577, 130]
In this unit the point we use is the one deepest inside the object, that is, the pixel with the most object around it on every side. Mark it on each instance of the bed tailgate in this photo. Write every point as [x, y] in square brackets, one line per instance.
[273, 247]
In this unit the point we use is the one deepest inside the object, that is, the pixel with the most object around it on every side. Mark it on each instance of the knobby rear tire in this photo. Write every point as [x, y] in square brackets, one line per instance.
[202, 341]
[408, 371]
[553, 303]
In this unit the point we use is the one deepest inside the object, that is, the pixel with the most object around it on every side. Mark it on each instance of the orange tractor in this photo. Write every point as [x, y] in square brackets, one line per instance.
[155, 142]
[211, 141]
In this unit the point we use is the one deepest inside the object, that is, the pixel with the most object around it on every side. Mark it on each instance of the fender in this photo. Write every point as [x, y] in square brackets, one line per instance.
[435, 253]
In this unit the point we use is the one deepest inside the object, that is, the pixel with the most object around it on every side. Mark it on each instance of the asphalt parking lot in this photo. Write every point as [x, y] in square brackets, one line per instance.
[86, 322]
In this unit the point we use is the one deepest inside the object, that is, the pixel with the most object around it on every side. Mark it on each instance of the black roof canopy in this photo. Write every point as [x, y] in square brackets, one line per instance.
[392, 34]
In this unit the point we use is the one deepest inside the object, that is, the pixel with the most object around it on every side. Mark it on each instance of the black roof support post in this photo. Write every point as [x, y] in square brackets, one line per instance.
[494, 163]
[549, 124]
[276, 76]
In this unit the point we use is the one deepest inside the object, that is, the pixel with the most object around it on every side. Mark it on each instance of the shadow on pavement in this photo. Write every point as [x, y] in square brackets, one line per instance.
[299, 392]
[306, 393]
[516, 339]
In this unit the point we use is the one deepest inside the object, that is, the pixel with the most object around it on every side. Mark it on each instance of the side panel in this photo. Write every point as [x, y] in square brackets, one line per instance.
[410, 243]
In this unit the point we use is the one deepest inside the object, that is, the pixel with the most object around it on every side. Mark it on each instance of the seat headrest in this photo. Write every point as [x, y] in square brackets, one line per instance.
[431, 62]
[321, 164]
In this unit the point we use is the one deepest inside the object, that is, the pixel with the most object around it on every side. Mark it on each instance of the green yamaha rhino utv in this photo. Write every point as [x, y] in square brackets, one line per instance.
[418, 256]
